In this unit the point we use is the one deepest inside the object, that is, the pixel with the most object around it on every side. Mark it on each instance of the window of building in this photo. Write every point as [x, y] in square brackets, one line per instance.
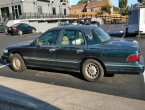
[54, 11]
[64, 11]
[40, 9]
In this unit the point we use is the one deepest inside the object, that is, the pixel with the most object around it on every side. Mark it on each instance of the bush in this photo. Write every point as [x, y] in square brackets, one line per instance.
[106, 8]
[124, 11]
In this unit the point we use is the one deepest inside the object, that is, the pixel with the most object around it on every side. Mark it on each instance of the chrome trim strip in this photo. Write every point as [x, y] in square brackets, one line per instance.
[66, 61]
[121, 65]
[61, 61]
[41, 59]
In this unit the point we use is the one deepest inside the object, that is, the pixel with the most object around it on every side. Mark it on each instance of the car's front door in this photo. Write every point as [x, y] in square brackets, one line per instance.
[43, 51]
[71, 49]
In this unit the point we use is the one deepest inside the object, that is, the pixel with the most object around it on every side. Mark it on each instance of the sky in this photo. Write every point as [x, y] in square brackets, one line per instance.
[115, 2]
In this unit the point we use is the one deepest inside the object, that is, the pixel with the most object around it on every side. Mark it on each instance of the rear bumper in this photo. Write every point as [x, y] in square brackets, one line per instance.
[122, 68]
[12, 32]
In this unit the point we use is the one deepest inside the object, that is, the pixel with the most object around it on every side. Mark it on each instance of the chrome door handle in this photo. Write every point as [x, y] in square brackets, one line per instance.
[52, 50]
[80, 51]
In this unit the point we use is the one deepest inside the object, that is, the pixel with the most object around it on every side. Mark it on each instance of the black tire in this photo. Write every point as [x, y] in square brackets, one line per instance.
[17, 63]
[12, 33]
[92, 70]
[20, 32]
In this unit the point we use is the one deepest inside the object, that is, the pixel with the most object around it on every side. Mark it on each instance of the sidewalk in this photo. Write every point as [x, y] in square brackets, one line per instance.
[70, 99]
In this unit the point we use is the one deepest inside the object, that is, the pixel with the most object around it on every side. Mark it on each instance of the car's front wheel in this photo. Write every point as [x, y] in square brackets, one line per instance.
[92, 70]
[17, 63]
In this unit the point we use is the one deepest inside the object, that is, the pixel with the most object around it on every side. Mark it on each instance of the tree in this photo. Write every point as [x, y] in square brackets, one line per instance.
[115, 8]
[84, 1]
[141, 1]
[124, 11]
[106, 8]
[122, 4]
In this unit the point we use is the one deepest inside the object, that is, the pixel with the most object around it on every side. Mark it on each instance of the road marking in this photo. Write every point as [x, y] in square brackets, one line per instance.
[4, 65]
[121, 31]
[108, 30]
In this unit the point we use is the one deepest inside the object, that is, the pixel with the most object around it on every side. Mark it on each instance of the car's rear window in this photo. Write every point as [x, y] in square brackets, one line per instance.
[16, 24]
[102, 35]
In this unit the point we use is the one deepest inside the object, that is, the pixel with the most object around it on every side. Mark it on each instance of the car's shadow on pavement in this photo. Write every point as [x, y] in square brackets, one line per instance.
[14, 100]
[125, 85]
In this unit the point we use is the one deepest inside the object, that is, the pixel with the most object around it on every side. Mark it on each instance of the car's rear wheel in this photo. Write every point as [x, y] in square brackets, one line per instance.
[17, 63]
[92, 70]
[33, 31]
[20, 32]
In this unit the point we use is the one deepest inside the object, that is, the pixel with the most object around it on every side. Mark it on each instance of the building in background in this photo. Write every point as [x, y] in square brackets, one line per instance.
[16, 9]
[90, 9]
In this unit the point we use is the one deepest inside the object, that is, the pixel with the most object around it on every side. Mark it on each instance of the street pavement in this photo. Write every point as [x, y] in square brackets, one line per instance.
[122, 90]
[40, 96]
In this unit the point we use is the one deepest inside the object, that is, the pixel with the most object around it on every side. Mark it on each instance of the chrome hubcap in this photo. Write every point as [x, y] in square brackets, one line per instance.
[16, 63]
[92, 70]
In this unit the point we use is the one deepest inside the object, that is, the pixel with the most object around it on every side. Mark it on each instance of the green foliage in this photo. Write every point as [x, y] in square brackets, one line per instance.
[106, 8]
[141, 1]
[115, 8]
[83, 1]
[122, 4]
[124, 11]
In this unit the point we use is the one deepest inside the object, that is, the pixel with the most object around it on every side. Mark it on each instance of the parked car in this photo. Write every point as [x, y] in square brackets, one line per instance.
[3, 28]
[85, 49]
[64, 24]
[21, 28]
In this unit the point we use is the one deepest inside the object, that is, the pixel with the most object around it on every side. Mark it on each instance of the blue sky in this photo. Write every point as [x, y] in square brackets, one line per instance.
[115, 2]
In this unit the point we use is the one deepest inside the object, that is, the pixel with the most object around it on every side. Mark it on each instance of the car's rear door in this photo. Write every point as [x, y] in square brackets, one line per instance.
[27, 28]
[71, 50]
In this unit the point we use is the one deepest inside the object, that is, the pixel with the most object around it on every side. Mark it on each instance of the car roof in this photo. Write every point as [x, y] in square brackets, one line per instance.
[18, 24]
[78, 27]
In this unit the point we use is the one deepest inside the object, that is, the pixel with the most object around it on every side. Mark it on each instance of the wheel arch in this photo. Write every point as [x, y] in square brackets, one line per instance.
[14, 52]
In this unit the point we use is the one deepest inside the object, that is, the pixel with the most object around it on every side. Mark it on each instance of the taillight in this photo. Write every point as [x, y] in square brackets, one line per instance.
[133, 58]
[14, 28]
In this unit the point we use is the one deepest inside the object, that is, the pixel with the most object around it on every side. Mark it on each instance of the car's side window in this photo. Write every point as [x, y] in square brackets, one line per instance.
[50, 38]
[72, 37]
[91, 39]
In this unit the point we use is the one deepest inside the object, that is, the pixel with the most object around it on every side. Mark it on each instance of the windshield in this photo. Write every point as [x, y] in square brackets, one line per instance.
[102, 35]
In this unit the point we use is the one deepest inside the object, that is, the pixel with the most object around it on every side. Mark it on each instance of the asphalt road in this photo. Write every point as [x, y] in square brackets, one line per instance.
[124, 85]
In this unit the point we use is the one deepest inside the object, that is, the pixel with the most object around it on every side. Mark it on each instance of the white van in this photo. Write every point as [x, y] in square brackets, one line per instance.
[136, 21]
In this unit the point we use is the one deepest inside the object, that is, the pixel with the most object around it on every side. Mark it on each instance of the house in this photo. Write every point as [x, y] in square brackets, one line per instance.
[89, 9]
[17, 9]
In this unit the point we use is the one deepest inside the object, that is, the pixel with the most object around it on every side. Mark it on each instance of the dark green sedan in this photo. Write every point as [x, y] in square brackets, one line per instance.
[84, 49]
